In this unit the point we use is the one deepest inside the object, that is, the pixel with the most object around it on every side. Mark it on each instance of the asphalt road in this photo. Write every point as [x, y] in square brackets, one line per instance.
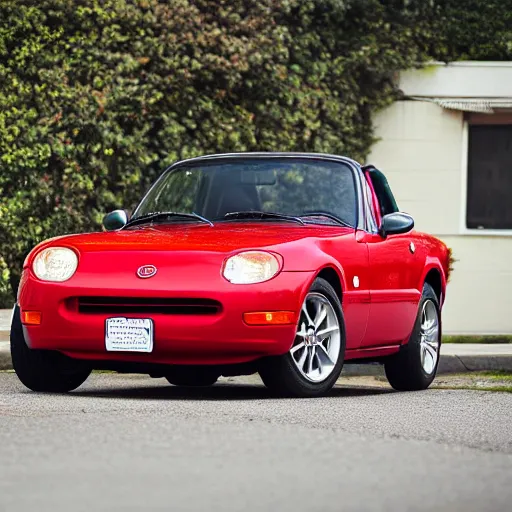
[133, 443]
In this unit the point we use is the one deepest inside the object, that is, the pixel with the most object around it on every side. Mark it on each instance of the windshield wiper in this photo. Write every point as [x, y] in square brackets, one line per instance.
[156, 216]
[329, 216]
[261, 216]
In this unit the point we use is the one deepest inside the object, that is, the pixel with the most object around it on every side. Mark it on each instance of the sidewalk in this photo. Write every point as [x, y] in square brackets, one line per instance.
[5, 319]
[455, 357]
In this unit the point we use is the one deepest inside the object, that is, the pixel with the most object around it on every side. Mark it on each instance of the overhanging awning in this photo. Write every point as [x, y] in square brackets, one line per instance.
[480, 105]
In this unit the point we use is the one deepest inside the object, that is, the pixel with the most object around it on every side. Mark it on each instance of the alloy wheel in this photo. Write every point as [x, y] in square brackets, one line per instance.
[429, 337]
[316, 348]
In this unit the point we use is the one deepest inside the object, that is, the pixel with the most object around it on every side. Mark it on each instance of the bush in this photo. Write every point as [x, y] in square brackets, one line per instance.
[6, 295]
[473, 30]
[98, 96]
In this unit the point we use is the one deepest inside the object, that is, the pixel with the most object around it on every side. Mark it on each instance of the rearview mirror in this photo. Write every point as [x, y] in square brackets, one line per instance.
[115, 220]
[259, 176]
[396, 224]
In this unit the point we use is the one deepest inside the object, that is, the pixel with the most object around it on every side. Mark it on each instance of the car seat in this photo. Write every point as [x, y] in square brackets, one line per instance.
[238, 197]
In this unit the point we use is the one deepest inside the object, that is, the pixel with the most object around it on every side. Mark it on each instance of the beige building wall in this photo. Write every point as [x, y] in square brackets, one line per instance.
[423, 152]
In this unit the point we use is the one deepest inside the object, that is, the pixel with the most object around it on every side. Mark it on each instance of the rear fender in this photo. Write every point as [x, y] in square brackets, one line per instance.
[433, 263]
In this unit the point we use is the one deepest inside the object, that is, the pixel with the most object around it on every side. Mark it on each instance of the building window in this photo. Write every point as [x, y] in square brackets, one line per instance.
[489, 190]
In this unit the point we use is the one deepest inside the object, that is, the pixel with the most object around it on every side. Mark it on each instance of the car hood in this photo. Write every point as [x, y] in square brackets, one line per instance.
[213, 242]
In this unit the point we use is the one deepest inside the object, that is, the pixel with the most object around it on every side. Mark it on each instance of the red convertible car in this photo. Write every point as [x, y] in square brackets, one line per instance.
[286, 264]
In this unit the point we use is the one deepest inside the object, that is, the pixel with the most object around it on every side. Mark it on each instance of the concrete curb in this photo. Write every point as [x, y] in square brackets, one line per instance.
[449, 363]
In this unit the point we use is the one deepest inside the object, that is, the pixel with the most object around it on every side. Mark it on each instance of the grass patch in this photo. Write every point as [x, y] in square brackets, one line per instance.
[500, 389]
[502, 338]
[496, 380]
[495, 375]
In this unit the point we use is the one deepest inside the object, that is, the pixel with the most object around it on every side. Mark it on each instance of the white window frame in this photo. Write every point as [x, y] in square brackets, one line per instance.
[464, 230]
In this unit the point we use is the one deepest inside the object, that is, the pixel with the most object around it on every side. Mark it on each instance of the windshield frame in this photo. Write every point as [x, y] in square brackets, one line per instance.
[352, 165]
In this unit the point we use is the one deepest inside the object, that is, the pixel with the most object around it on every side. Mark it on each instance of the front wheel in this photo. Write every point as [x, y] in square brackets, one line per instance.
[315, 361]
[43, 370]
[415, 366]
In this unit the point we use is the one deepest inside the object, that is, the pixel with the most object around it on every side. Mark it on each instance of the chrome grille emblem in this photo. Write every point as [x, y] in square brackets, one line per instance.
[146, 271]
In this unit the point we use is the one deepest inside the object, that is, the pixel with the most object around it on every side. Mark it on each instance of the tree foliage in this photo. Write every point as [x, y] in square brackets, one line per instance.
[98, 96]
[472, 30]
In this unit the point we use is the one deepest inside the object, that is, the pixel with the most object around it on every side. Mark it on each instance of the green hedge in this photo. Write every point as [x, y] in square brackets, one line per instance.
[472, 30]
[98, 96]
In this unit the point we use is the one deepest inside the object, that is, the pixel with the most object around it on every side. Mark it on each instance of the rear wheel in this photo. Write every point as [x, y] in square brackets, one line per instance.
[192, 376]
[415, 366]
[314, 362]
[43, 370]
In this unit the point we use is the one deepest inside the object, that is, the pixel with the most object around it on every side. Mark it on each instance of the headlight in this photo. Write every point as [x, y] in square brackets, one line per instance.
[55, 264]
[251, 267]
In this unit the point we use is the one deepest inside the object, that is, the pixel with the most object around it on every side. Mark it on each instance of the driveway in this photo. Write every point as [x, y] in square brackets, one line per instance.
[134, 443]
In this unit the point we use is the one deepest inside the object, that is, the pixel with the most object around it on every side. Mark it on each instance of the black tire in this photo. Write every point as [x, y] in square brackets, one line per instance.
[281, 375]
[43, 370]
[192, 376]
[404, 370]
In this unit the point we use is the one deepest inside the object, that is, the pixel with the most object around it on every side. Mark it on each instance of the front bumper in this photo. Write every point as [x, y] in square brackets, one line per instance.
[219, 338]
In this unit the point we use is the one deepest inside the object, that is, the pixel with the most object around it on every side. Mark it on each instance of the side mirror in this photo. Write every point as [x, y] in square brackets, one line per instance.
[115, 220]
[395, 224]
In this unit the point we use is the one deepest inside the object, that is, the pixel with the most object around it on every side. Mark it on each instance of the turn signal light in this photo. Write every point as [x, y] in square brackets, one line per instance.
[270, 318]
[31, 317]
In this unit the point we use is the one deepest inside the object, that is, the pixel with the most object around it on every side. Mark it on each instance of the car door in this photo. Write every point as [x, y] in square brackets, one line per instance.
[356, 295]
[392, 262]
[350, 255]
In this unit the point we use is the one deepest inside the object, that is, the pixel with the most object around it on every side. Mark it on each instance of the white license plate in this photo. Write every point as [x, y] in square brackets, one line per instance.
[129, 335]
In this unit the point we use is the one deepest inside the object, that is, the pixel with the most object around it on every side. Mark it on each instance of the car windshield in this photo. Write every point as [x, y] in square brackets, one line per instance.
[286, 186]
